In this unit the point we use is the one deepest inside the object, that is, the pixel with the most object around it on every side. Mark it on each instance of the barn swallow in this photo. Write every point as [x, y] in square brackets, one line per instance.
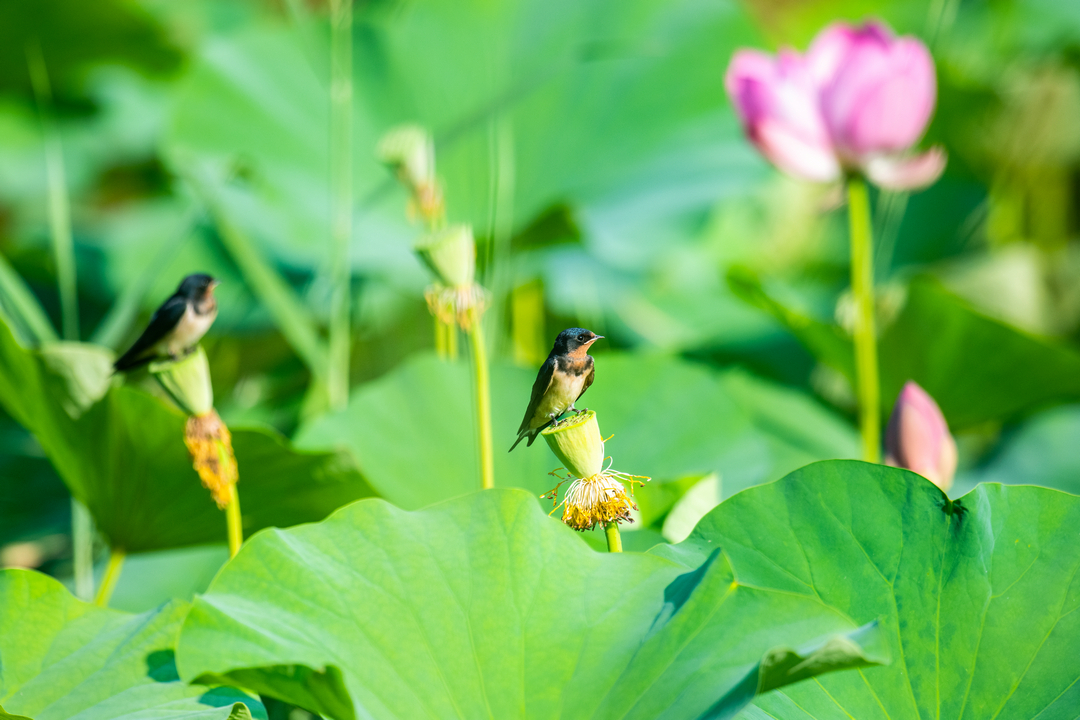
[177, 326]
[563, 378]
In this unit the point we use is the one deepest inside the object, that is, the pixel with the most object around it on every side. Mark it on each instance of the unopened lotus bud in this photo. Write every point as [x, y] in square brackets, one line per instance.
[918, 438]
[187, 381]
[210, 444]
[410, 151]
[577, 444]
[450, 254]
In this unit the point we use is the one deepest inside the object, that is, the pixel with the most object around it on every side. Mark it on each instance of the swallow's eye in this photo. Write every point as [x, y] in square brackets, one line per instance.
[582, 338]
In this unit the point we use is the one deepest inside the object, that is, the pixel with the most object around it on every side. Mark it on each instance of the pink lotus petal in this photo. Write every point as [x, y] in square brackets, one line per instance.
[906, 173]
[881, 96]
[776, 101]
[918, 438]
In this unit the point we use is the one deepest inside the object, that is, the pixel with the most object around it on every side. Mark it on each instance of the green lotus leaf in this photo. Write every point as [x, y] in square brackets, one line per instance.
[121, 452]
[977, 597]
[420, 416]
[932, 342]
[61, 658]
[482, 606]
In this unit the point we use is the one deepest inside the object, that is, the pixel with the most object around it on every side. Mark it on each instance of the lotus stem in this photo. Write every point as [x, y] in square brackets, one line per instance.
[234, 521]
[614, 540]
[862, 288]
[82, 541]
[483, 398]
[341, 182]
[112, 575]
[451, 341]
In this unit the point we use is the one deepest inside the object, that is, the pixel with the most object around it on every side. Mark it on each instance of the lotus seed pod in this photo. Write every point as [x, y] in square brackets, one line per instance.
[450, 254]
[410, 150]
[187, 381]
[577, 443]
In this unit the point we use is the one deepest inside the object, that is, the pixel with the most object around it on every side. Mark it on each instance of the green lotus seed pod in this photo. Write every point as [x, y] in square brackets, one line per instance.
[577, 443]
[187, 381]
[450, 254]
[410, 150]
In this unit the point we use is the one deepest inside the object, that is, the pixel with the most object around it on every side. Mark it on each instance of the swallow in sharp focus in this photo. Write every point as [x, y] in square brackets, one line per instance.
[563, 378]
[177, 326]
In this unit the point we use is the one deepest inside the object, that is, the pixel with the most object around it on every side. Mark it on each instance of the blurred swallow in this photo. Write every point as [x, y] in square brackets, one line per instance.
[563, 378]
[177, 326]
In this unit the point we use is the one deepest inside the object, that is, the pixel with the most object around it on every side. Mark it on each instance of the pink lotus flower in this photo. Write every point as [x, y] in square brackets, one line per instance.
[918, 438]
[856, 102]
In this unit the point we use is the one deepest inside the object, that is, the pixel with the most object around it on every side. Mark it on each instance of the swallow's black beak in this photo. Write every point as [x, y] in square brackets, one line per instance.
[594, 338]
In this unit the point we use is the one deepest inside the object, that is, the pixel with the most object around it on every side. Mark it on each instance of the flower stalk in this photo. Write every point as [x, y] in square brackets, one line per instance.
[341, 183]
[865, 336]
[112, 575]
[614, 540]
[483, 399]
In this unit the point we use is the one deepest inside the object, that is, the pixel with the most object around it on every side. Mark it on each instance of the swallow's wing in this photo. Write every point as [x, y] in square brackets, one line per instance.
[588, 381]
[540, 387]
[162, 322]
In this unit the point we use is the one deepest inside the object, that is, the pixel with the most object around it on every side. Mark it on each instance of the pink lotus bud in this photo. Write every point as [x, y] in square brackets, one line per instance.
[918, 438]
[858, 101]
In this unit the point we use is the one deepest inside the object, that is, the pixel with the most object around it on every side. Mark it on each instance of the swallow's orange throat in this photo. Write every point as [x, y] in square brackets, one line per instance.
[582, 351]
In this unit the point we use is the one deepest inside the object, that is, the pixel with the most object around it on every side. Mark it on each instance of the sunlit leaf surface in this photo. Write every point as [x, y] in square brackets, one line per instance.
[484, 607]
[63, 658]
[977, 597]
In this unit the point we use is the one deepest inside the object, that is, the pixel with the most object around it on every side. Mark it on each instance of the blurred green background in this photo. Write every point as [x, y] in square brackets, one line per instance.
[593, 150]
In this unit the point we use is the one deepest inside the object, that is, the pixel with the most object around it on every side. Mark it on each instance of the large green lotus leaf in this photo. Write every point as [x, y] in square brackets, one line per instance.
[413, 431]
[977, 597]
[121, 452]
[482, 606]
[932, 342]
[62, 658]
[1041, 451]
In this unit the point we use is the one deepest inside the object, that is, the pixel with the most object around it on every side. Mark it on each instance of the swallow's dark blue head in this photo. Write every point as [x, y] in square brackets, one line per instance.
[196, 286]
[574, 340]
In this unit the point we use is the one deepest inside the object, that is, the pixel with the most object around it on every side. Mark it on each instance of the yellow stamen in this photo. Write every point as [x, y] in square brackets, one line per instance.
[210, 445]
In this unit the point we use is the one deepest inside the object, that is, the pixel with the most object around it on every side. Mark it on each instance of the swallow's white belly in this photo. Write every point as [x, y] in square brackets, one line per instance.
[563, 391]
[188, 332]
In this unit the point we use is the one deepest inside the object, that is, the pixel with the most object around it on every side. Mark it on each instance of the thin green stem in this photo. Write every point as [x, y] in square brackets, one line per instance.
[862, 287]
[112, 574]
[483, 400]
[82, 543]
[59, 208]
[341, 184]
[614, 540]
[234, 521]
[440, 337]
[451, 341]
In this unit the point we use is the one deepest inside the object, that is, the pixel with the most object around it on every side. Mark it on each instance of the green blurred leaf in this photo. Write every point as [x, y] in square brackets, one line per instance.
[574, 86]
[976, 596]
[484, 607]
[933, 341]
[670, 419]
[1042, 451]
[63, 658]
[121, 452]
[74, 36]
